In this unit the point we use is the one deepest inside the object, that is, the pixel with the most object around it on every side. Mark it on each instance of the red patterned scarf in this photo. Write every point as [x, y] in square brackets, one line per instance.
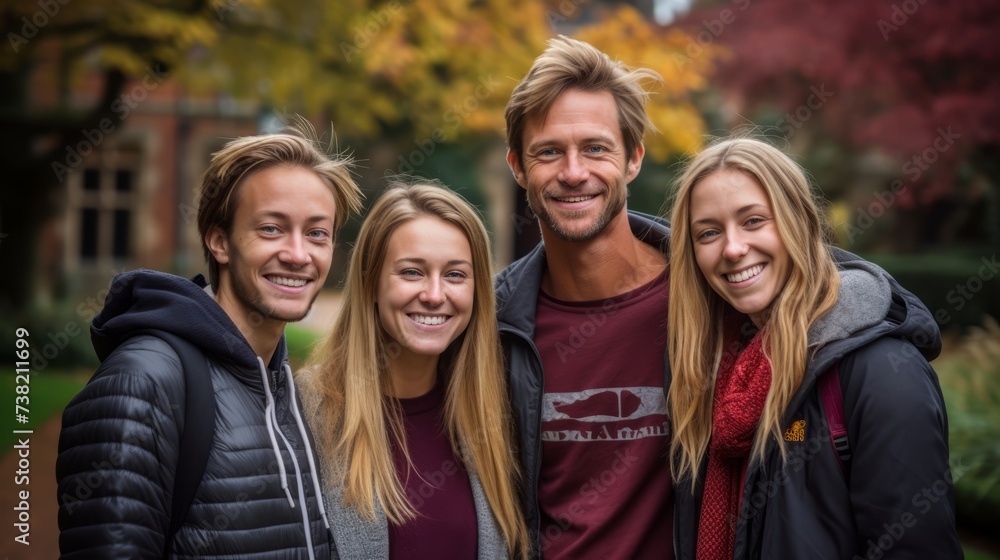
[740, 391]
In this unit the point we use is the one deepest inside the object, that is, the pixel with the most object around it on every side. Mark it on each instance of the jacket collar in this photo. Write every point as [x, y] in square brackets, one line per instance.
[518, 285]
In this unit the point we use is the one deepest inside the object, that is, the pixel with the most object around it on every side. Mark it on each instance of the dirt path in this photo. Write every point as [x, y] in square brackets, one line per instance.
[43, 537]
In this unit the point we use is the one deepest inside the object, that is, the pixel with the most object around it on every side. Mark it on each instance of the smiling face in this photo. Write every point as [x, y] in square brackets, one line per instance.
[425, 287]
[736, 242]
[275, 259]
[575, 168]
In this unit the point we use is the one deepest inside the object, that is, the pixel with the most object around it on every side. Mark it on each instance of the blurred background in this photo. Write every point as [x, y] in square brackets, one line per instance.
[110, 111]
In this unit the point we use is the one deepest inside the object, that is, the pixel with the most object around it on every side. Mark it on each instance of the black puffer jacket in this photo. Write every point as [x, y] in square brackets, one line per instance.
[895, 497]
[118, 450]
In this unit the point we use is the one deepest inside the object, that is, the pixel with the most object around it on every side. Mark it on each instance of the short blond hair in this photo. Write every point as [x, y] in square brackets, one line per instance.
[297, 145]
[572, 64]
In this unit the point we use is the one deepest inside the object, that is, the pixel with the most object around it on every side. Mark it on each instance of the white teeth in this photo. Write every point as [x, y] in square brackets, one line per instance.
[429, 320]
[575, 199]
[746, 274]
[290, 282]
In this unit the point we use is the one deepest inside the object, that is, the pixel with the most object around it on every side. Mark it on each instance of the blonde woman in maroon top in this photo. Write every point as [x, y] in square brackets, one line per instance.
[407, 396]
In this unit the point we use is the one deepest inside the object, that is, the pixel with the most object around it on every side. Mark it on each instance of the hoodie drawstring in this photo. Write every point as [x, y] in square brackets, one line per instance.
[305, 439]
[271, 421]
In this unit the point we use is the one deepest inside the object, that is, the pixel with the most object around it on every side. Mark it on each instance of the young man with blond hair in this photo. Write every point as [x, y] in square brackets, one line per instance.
[269, 212]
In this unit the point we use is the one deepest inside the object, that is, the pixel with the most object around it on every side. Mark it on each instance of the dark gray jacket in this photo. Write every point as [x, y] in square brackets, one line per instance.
[118, 450]
[895, 500]
[517, 288]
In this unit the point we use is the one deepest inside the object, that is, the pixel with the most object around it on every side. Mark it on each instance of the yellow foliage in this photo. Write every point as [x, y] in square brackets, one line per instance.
[627, 36]
[425, 68]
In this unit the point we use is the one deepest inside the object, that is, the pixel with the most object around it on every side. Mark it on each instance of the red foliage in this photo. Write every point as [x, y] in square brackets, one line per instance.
[904, 73]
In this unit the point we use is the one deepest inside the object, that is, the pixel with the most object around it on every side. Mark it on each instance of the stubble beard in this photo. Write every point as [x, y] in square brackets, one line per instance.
[254, 299]
[616, 203]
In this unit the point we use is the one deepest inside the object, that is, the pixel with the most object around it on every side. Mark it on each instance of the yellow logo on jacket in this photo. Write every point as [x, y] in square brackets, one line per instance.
[797, 432]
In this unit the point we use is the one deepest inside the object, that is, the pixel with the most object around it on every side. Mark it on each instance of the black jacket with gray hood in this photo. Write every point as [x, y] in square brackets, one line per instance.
[118, 450]
[894, 499]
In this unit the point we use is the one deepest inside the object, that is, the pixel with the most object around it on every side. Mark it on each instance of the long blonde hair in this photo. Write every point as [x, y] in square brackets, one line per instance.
[695, 313]
[348, 373]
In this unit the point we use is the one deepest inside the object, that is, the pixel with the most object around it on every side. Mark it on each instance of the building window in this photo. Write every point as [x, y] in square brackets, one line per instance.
[104, 206]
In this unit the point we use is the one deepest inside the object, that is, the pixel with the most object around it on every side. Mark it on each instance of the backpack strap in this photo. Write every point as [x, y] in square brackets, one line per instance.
[833, 406]
[199, 429]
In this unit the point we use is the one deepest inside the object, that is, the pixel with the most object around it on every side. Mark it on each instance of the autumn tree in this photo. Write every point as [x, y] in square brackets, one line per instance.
[110, 41]
[419, 73]
[912, 79]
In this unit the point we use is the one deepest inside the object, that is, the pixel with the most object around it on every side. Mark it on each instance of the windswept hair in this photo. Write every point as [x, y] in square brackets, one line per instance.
[347, 380]
[571, 64]
[298, 146]
[695, 316]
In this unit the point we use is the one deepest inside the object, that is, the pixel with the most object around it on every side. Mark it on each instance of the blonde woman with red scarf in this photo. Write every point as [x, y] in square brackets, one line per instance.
[763, 316]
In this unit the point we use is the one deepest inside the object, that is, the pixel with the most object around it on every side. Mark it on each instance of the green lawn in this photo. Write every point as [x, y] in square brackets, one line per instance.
[48, 394]
[50, 391]
[300, 343]
[972, 554]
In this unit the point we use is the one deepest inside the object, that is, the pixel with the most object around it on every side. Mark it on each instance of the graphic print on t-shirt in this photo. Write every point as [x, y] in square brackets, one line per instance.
[604, 488]
[609, 414]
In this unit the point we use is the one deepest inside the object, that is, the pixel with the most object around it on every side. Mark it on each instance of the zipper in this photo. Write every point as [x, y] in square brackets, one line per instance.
[537, 467]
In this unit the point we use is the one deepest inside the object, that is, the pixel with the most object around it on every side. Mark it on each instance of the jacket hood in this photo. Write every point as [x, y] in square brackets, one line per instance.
[518, 285]
[146, 299]
[870, 305]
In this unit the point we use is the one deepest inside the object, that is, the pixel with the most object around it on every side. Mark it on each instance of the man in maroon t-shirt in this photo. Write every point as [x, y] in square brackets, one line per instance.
[582, 317]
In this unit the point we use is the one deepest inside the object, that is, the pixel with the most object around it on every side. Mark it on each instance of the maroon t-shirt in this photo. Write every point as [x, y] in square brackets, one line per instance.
[604, 489]
[445, 526]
